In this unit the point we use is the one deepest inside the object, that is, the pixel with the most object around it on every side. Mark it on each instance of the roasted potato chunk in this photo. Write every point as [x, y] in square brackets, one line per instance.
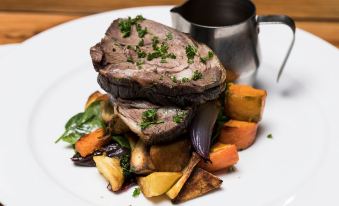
[141, 162]
[157, 183]
[171, 157]
[174, 191]
[244, 103]
[199, 183]
[110, 168]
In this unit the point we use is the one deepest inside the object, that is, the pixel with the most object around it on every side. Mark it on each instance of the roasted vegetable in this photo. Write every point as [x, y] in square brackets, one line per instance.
[222, 157]
[117, 126]
[202, 127]
[240, 133]
[175, 189]
[83, 161]
[88, 143]
[171, 157]
[199, 183]
[111, 150]
[95, 96]
[110, 168]
[244, 103]
[140, 159]
[114, 150]
[132, 139]
[107, 110]
[157, 183]
[83, 123]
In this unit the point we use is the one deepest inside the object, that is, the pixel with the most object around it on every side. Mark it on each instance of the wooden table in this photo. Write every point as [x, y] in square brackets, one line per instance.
[21, 19]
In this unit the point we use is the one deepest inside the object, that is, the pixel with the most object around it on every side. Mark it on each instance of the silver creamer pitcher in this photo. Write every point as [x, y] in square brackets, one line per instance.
[230, 28]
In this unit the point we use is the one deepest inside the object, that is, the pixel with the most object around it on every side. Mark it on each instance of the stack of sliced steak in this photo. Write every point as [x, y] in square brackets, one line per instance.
[146, 65]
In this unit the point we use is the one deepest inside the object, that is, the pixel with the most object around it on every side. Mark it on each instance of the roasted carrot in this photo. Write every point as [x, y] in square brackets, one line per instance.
[87, 144]
[222, 156]
[242, 134]
[94, 97]
[244, 103]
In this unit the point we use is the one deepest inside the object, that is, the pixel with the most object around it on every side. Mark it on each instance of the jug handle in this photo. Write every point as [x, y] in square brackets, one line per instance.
[280, 19]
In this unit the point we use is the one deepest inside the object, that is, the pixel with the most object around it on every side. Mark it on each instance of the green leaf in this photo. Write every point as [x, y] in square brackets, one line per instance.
[122, 141]
[83, 123]
[74, 120]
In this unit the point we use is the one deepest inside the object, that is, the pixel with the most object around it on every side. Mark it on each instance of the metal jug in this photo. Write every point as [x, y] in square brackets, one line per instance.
[230, 28]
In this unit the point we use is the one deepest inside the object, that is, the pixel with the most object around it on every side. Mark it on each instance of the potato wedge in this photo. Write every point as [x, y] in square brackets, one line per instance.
[174, 191]
[199, 183]
[157, 183]
[171, 157]
[244, 103]
[110, 168]
[94, 97]
[141, 162]
[240, 133]
[88, 143]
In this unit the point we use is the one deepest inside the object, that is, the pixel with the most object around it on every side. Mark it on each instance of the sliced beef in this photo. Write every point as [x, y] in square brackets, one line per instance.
[170, 122]
[125, 71]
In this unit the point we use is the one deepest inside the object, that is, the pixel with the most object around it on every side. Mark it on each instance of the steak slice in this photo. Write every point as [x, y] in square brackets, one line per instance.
[169, 124]
[166, 67]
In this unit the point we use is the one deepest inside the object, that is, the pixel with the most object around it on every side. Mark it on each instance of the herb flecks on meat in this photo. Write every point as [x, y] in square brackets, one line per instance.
[125, 26]
[149, 117]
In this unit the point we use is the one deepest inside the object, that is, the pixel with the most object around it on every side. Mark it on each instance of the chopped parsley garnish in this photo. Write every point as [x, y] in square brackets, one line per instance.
[160, 51]
[174, 79]
[125, 26]
[141, 42]
[141, 54]
[163, 61]
[141, 31]
[139, 18]
[172, 56]
[149, 117]
[139, 63]
[206, 58]
[270, 136]
[179, 117]
[125, 165]
[155, 42]
[185, 79]
[136, 192]
[169, 36]
[161, 77]
[130, 59]
[191, 51]
[196, 75]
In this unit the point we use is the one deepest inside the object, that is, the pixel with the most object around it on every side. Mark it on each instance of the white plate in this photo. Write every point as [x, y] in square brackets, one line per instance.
[48, 79]
[7, 49]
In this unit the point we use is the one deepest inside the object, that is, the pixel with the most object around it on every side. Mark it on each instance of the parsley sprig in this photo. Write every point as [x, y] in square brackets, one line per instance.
[125, 26]
[206, 58]
[191, 51]
[179, 117]
[149, 117]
